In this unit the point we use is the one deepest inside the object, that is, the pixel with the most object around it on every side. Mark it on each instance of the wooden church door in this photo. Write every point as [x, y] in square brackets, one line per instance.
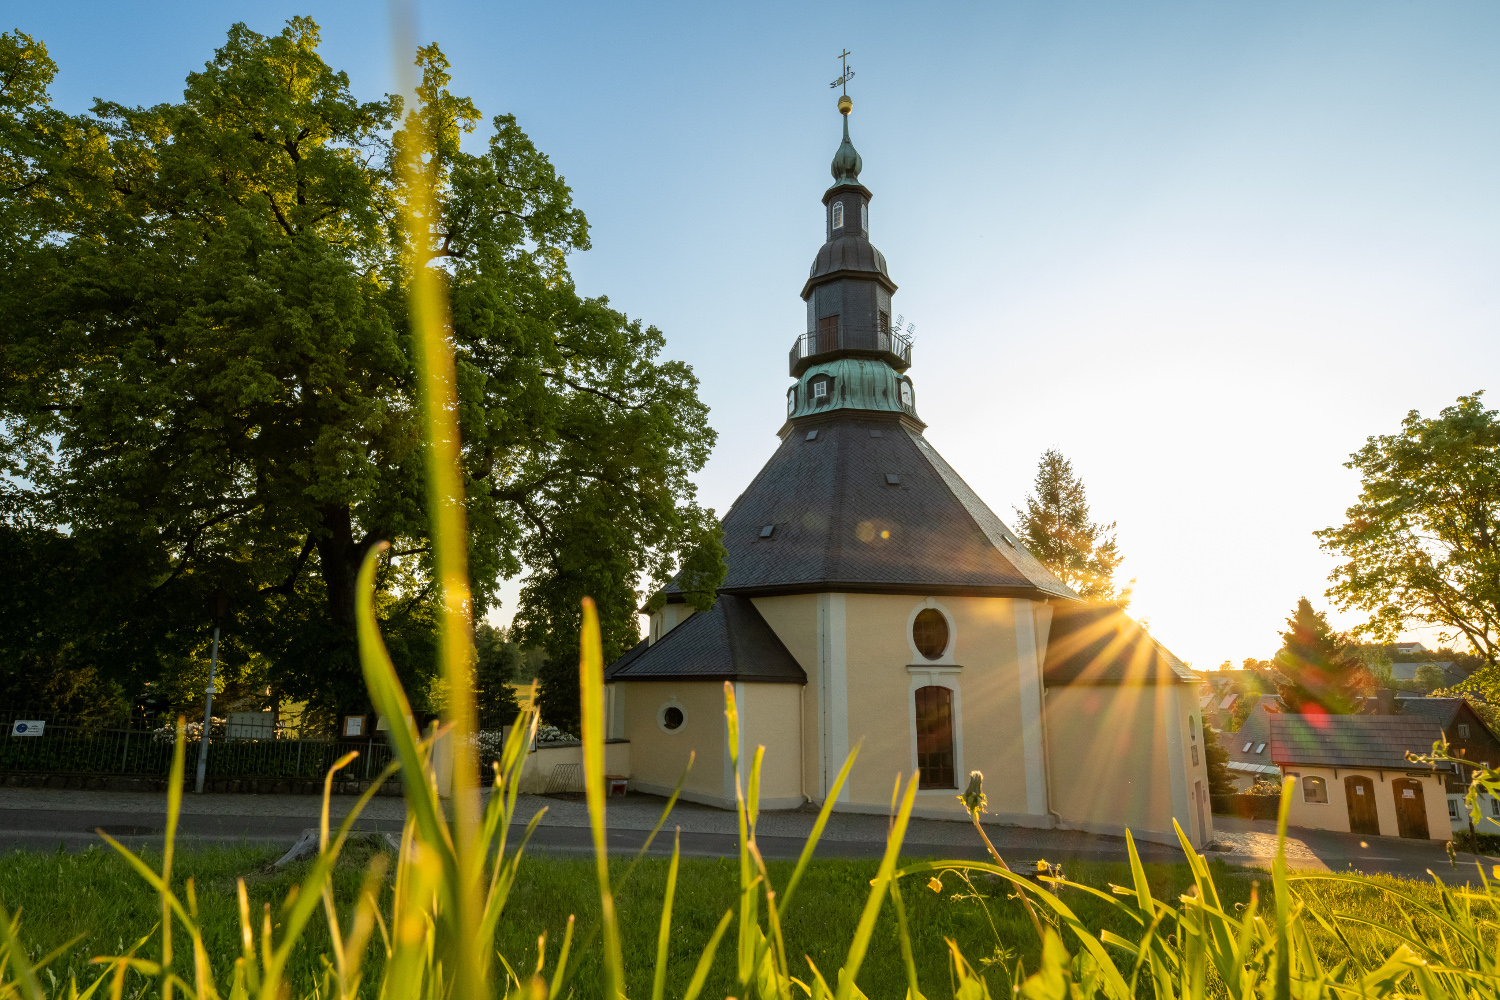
[1411, 808]
[1359, 791]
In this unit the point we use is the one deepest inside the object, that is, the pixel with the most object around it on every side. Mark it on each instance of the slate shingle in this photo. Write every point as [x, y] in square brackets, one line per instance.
[1373, 741]
[730, 641]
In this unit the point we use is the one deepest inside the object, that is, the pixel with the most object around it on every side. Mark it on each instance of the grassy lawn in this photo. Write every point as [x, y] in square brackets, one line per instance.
[95, 895]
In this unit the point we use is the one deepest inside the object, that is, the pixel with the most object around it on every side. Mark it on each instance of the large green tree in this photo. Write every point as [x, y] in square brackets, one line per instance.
[1422, 544]
[1321, 671]
[1057, 529]
[207, 365]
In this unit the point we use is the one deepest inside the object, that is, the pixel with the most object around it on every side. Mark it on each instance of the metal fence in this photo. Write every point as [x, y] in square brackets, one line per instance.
[137, 747]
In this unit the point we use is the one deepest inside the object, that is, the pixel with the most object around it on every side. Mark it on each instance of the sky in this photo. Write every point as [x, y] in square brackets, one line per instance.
[1202, 249]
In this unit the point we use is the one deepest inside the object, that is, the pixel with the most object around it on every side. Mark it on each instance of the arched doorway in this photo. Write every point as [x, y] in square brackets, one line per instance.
[1411, 808]
[1359, 792]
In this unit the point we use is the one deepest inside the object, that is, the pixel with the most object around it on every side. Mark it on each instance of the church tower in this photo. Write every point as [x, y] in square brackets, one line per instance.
[873, 599]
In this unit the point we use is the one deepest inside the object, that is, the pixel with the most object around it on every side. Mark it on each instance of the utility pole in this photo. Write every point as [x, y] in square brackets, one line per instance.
[221, 605]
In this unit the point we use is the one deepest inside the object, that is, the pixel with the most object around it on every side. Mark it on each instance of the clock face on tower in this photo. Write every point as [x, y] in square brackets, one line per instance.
[791, 401]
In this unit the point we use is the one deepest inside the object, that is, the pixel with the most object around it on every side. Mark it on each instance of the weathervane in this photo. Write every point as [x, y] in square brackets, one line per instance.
[843, 81]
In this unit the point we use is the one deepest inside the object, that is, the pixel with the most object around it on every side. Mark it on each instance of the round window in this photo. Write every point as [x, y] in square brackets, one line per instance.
[671, 718]
[929, 633]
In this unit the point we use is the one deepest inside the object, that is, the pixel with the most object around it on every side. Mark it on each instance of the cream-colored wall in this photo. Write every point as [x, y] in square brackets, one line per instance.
[794, 619]
[770, 716]
[872, 634]
[1334, 814]
[657, 757]
[665, 619]
[1112, 763]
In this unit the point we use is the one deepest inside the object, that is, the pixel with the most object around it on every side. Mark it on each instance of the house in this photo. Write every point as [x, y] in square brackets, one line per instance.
[874, 601]
[1249, 747]
[1353, 774]
[1467, 737]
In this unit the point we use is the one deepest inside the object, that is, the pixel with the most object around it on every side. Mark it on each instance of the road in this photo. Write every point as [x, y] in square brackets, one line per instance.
[44, 819]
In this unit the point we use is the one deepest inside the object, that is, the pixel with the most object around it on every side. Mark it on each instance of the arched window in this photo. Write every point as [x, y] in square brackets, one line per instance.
[935, 737]
[929, 633]
[1314, 790]
[838, 215]
[864, 217]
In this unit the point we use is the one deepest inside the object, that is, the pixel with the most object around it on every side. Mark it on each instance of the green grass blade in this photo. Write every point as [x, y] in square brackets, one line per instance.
[591, 686]
[664, 934]
[706, 960]
[1282, 988]
[866, 927]
[817, 831]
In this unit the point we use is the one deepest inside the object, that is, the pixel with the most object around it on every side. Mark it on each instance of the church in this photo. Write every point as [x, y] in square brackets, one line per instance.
[873, 599]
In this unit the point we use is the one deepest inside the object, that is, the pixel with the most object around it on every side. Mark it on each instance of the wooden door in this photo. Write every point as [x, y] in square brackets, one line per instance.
[1360, 793]
[1411, 808]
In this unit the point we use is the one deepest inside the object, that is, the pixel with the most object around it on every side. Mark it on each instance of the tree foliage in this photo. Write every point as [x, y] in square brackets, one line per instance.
[1422, 544]
[1056, 528]
[1220, 781]
[1320, 670]
[207, 378]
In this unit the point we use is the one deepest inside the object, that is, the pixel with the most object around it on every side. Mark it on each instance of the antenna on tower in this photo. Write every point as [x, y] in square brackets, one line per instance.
[900, 318]
[911, 331]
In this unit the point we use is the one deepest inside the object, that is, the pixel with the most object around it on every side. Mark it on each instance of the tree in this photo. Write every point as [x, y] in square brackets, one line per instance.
[1422, 544]
[1055, 527]
[1220, 781]
[1320, 671]
[208, 366]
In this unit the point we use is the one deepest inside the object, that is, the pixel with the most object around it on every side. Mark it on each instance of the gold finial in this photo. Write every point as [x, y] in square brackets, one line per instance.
[845, 105]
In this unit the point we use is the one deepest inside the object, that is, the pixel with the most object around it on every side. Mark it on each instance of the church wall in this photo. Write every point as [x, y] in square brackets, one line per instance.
[1121, 757]
[657, 757]
[769, 716]
[982, 666]
[794, 619]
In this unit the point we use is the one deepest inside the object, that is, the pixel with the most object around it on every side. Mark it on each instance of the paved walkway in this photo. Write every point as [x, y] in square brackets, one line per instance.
[44, 818]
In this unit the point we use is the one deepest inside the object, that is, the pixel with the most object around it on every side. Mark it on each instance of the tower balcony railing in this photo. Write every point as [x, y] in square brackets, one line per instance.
[894, 346]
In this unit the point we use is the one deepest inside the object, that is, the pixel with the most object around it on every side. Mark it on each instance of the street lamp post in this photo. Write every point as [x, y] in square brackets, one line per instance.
[222, 605]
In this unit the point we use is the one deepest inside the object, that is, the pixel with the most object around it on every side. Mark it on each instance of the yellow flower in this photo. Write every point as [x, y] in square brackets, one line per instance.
[936, 884]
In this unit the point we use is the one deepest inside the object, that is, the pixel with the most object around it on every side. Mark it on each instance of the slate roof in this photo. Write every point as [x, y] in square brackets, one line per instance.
[848, 254]
[1100, 644]
[1254, 732]
[1368, 741]
[840, 523]
[730, 641]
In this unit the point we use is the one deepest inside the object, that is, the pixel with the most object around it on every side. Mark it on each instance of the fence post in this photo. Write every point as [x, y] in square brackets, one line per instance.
[208, 711]
[125, 756]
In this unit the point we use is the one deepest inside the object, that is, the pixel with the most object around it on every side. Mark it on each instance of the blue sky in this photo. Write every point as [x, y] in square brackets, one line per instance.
[1203, 249]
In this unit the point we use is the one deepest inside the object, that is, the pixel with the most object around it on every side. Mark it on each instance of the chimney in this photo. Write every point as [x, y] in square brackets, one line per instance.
[1385, 701]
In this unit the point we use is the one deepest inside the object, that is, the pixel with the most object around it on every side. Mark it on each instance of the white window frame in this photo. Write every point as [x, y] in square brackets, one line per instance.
[838, 215]
[938, 675]
[820, 389]
[661, 716]
[916, 654]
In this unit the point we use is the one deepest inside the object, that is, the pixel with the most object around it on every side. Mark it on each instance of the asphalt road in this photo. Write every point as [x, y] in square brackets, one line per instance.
[47, 821]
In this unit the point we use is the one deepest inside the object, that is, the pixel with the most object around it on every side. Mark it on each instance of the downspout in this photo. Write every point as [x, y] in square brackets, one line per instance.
[1046, 743]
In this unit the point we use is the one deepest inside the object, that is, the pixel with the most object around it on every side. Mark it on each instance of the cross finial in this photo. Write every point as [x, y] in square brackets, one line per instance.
[846, 75]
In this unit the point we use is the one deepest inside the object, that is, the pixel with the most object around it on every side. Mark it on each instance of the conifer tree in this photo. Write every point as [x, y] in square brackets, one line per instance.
[1220, 781]
[1056, 529]
[1320, 670]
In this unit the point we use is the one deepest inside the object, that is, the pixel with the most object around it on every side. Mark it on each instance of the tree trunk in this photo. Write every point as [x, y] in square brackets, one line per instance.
[340, 555]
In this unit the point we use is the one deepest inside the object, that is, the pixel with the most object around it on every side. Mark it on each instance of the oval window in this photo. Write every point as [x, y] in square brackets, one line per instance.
[671, 717]
[929, 633]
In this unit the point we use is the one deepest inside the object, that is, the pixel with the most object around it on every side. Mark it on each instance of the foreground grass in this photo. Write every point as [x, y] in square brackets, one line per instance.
[93, 896]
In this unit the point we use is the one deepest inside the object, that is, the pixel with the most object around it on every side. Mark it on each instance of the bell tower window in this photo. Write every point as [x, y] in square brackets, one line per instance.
[838, 215]
[864, 217]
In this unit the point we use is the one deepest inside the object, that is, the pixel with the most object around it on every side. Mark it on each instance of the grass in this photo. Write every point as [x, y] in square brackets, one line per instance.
[95, 897]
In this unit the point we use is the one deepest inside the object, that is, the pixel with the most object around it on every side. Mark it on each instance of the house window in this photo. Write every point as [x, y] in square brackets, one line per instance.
[820, 390]
[838, 215]
[1495, 807]
[1463, 730]
[1314, 790]
[1453, 809]
[1192, 729]
[1246, 747]
[929, 633]
[935, 737]
[1259, 747]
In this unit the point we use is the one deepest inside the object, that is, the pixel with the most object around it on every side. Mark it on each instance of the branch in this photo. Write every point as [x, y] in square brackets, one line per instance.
[601, 393]
[286, 586]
